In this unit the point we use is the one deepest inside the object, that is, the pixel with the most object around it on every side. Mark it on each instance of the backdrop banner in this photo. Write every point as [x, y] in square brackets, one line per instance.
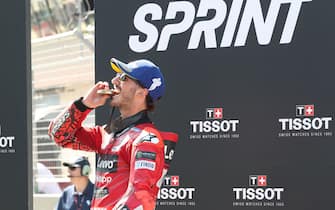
[248, 90]
[15, 113]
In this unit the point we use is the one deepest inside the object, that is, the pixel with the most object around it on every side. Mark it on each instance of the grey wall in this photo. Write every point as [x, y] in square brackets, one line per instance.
[15, 112]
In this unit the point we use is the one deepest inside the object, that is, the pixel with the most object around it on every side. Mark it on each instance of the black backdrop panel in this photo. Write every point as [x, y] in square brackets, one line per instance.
[248, 90]
[15, 112]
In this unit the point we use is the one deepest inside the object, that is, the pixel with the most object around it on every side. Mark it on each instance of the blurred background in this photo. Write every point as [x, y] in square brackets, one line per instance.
[62, 44]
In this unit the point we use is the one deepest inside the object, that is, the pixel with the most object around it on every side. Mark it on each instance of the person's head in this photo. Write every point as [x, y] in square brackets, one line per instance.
[139, 82]
[78, 169]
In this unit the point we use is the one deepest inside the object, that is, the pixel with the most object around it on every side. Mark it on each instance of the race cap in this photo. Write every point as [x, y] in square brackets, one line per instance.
[78, 163]
[145, 72]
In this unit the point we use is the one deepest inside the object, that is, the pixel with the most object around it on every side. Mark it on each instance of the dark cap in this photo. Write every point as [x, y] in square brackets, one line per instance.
[78, 163]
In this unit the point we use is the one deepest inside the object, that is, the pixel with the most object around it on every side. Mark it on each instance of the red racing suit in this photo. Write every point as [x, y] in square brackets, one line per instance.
[132, 160]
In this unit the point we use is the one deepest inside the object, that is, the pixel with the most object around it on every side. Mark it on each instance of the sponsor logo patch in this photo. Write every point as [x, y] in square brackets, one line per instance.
[144, 164]
[150, 138]
[145, 155]
[107, 163]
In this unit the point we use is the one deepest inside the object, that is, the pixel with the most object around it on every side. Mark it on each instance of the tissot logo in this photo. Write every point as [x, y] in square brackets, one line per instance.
[198, 19]
[173, 193]
[258, 193]
[257, 180]
[304, 110]
[215, 126]
[305, 120]
[171, 181]
[214, 113]
[6, 142]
